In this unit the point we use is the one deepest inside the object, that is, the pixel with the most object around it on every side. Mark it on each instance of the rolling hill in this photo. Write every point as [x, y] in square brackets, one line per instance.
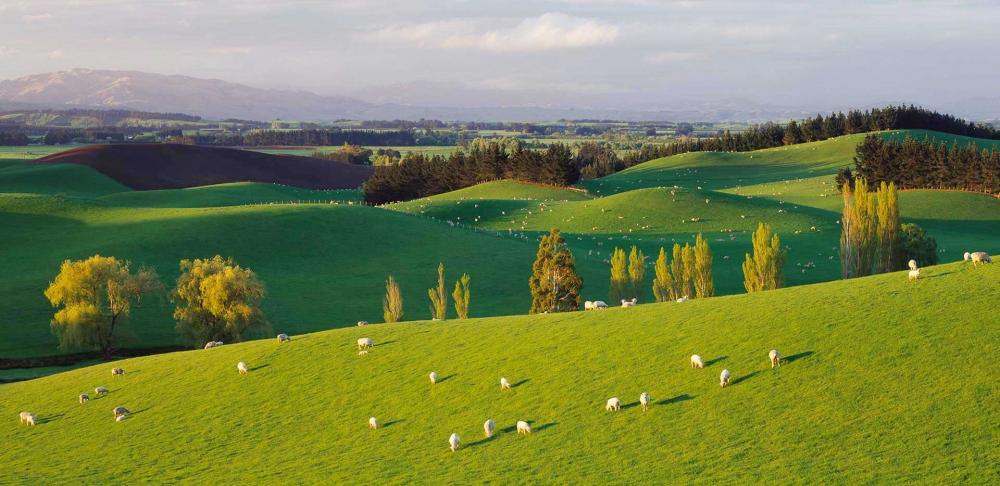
[884, 381]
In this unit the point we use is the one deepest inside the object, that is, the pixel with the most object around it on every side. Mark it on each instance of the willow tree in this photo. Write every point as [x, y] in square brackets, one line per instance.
[461, 296]
[218, 300]
[392, 303]
[636, 273]
[555, 285]
[764, 269]
[95, 297]
[439, 300]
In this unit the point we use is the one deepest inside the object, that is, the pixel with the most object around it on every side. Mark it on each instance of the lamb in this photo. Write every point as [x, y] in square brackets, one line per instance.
[724, 378]
[454, 441]
[27, 418]
[119, 411]
[365, 343]
[504, 384]
[84, 398]
[363, 352]
[434, 377]
[614, 404]
[242, 367]
[912, 264]
[696, 361]
[914, 274]
[629, 303]
[980, 257]
[283, 338]
[523, 427]
[117, 371]
[644, 400]
[100, 391]
[775, 357]
[373, 423]
[488, 427]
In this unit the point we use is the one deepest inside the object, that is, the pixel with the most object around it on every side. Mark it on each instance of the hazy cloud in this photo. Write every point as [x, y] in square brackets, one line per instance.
[54, 54]
[32, 18]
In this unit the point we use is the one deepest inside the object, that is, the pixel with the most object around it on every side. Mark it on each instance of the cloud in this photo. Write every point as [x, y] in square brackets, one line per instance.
[667, 57]
[545, 32]
[7, 51]
[32, 18]
[56, 54]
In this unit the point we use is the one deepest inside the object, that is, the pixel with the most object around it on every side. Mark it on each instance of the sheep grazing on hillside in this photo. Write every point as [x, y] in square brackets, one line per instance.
[433, 376]
[84, 398]
[523, 427]
[504, 384]
[967, 256]
[595, 305]
[696, 361]
[614, 404]
[213, 344]
[912, 264]
[683, 299]
[119, 411]
[914, 274]
[373, 423]
[121, 417]
[100, 391]
[630, 303]
[454, 442]
[588, 305]
[117, 372]
[645, 400]
[283, 338]
[365, 343]
[362, 323]
[980, 257]
[724, 378]
[488, 427]
[27, 418]
[242, 367]
[774, 357]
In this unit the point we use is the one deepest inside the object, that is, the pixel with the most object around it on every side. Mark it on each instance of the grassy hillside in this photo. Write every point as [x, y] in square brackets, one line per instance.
[885, 381]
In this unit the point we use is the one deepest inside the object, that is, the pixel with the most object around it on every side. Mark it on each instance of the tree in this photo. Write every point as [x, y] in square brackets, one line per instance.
[636, 272]
[704, 286]
[914, 244]
[392, 303]
[217, 300]
[619, 276]
[688, 259]
[764, 270]
[888, 227]
[662, 283]
[461, 296]
[96, 296]
[555, 285]
[869, 229]
[439, 300]
[680, 287]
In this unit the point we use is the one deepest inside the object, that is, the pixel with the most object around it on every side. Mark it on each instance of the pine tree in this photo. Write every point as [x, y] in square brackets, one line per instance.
[392, 303]
[439, 301]
[636, 272]
[461, 297]
[662, 283]
[704, 286]
[764, 270]
[618, 287]
[555, 285]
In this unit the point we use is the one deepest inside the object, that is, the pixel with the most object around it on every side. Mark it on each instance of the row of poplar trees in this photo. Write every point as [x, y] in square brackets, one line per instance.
[870, 229]
[392, 303]
[688, 274]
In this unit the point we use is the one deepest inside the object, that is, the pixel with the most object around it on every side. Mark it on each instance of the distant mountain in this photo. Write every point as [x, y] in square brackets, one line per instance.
[210, 98]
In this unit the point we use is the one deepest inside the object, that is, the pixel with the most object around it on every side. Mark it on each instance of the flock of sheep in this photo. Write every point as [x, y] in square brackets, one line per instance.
[976, 257]
[120, 413]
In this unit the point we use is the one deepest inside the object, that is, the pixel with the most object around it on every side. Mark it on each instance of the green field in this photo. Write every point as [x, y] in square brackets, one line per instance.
[885, 381]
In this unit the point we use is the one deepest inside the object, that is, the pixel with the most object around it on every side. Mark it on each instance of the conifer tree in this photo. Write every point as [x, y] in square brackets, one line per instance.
[636, 272]
[662, 283]
[764, 270]
[618, 288]
[461, 297]
[704, 286]
[555, 285]
[439, 300]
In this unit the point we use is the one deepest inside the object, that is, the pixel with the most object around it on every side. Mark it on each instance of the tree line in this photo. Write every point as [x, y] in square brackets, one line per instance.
[320, 137]
[926, 164]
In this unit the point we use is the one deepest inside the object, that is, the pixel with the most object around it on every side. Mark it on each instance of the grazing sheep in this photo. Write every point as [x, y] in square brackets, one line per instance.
[373, 423]
[434, 377]
[523, 427]
[84, 398]
[488, 427]
[967, 256]
[362, 323]
[682, 299]
[242, 367]
[914, 274]
[504, 384]
[980, 257]
[117, 371]
[600, 304]
[454, 442]
[629, 303]
[27, 418]
[696, 361]
[644, 400]
[100, 391]
[120, 418]
[119, 411]
[365, 343]
[775, 357]
[912, 264]
[213, 344]
[724, 378]
[283, 338]
[588, 305]
[614, 404]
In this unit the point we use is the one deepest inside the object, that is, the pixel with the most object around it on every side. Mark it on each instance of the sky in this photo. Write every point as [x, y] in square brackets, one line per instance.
[630, 53]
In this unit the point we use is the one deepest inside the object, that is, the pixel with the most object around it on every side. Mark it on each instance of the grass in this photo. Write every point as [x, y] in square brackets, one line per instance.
[885, 381]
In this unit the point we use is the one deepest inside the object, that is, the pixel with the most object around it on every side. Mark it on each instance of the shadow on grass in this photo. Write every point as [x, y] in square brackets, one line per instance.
[446, 378]
[48, 418]
[515, 385]
[679, 398]
[385, 343]
[743, 378]
[511, 430]
[795, 357]
[137, 412]
[255, 368]
[392, 422]
[716, 360]
[630, 405]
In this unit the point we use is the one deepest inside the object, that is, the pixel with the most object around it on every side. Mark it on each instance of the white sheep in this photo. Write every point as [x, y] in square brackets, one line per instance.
[120, 418]
[774, 357]
[504, 384]
[119, 411]
[644, 400]
[912, 264]
[84, 398]
[283, 338]
[488, 427]
[242, 367]
[454, 442]
[980, 257]
[210, 345]
[682, 299]
[363, 352]
[27, 418]
[967, 256]
[523, 427]
[614, 404]
[365, 343]
[696, 361]
[600, 304]
[373, 423]
[362, 323]
[914, 274]
[100, 391]
[588, 305]
[433, 376]
[629, 303]
[724, 378]
[117, 371]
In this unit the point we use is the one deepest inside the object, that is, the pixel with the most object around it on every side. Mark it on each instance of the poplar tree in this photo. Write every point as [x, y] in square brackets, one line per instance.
[618, 288]
[764, 270]
[461, 297]
[688, 257]
[888, 227]
[663, 290]
[636, 272]
[392, 303]
[439, 300]
[703, 284]
[677, 272]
